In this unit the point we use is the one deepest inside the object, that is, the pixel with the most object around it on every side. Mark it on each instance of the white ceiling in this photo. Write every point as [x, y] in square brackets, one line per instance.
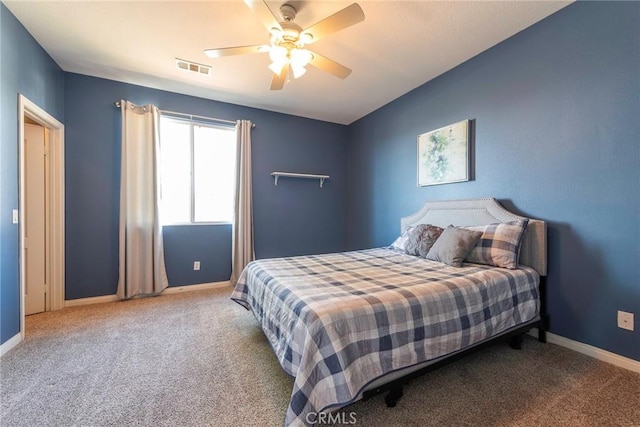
[399, 46]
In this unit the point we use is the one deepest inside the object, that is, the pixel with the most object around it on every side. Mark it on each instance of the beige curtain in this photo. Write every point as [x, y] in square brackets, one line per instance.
[142, 269]
[242, 245]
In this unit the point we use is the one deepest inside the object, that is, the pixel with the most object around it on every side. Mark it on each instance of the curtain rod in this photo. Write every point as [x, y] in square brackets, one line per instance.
[192, 116]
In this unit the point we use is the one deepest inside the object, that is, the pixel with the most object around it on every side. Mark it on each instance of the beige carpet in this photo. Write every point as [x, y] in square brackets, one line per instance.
[199, 359]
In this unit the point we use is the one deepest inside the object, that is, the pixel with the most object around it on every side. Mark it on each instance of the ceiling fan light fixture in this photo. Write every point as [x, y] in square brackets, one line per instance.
[295, 57]
[278, 54]
[300, 57]
[298, 71]
[276, 67]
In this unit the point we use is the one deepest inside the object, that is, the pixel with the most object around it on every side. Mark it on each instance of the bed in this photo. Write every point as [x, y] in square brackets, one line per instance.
[351, 325]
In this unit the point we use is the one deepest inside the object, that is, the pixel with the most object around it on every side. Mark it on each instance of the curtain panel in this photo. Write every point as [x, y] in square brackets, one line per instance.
[242, 244]
[141, 251]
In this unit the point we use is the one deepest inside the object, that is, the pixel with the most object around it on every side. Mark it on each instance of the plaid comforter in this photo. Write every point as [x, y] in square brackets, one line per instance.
[338, 321]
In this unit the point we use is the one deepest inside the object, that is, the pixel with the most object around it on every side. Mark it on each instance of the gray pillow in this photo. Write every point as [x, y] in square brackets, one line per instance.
[453, 245]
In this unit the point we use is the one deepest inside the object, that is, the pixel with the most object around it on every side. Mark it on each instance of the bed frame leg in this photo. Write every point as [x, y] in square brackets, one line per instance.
[542, 335]
[543, 327]
[394, 395]
[515, 342]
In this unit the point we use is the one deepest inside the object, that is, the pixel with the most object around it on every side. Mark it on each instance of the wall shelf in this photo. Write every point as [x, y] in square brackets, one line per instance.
[299, 175]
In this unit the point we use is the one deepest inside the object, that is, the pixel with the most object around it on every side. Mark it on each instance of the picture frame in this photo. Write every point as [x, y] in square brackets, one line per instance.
[444, 154]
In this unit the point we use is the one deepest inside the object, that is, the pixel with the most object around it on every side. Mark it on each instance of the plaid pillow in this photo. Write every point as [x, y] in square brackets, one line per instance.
[499, 244]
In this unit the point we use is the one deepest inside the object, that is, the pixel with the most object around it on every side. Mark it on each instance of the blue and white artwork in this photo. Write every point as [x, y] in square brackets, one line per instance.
[443, 155]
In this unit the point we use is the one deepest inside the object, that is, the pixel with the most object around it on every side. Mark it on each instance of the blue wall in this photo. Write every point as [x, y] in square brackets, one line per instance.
[296, 217]
[557, 138]
[27, 69]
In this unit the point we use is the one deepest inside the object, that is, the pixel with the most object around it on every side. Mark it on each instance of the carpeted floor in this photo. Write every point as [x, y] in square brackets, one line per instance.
[199, 359]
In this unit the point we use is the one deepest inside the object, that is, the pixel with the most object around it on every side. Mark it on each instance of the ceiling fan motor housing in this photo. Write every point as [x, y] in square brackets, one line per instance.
[288, 12]
[290, 31]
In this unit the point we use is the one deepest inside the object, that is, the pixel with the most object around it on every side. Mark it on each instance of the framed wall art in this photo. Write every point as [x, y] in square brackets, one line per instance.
[444, 154]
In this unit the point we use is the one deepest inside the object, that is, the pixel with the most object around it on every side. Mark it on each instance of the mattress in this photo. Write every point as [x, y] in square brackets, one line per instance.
[336, 322]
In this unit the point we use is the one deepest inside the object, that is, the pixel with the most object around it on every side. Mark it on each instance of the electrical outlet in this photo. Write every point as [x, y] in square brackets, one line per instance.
[196, 265]
[625, 320]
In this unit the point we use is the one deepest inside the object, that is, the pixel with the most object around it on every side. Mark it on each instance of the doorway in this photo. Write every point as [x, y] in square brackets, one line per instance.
[36, 213]
[41, 210]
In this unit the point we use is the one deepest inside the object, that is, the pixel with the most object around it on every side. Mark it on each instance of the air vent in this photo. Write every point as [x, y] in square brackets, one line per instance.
[194, 67]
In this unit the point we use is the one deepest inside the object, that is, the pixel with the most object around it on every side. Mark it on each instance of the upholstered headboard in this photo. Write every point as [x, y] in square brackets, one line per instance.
[533, 252]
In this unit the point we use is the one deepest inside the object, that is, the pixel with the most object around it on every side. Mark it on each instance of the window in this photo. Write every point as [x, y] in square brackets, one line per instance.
[197, 171]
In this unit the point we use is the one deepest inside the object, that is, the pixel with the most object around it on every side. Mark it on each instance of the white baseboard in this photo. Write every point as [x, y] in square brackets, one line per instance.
[197, 287]
[10, 343]
[90, 300]
[177, 289]
[595, 352]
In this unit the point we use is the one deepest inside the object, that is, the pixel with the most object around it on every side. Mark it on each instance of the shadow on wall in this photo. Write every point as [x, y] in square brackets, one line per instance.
[570, 290]
[578, 286]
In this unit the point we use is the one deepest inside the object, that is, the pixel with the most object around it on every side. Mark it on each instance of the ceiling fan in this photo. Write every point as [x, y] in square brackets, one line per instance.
[287, 49]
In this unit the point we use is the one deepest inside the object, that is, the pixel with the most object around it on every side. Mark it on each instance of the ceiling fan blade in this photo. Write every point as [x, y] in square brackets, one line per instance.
[264, 14]
[238, 50]
[331, 67]
[278, 80]
[347, 17]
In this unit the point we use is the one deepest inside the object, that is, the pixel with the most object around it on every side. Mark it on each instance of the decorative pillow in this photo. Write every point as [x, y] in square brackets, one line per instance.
[430, 233]
[499, 244]
[453, 245]
[413, 239]
[400, 244]
[417, 240]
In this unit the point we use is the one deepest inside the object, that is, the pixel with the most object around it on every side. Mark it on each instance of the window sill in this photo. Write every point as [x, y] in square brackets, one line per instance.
[175, 224]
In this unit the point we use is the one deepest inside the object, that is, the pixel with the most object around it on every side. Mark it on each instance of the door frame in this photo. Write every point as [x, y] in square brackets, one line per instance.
[56, 243]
